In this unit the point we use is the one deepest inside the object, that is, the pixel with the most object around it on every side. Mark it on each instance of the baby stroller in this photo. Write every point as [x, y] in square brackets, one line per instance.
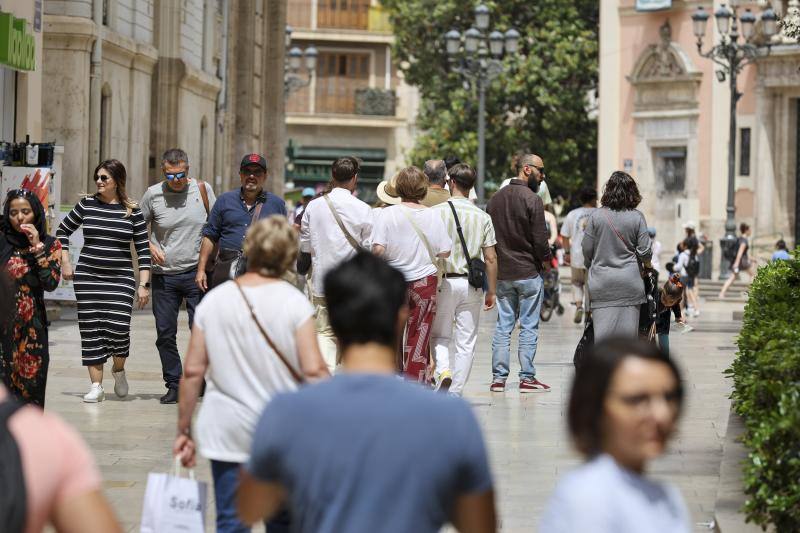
[552, 292]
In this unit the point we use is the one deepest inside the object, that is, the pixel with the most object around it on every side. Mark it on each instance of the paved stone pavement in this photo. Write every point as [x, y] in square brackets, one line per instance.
[526, 434]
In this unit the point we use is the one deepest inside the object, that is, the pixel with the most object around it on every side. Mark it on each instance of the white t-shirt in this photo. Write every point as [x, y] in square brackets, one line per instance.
[573, 228]
[244, 373]
[404, 249]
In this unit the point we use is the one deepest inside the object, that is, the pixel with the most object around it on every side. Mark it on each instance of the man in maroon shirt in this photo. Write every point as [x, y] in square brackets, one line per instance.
[523, 254]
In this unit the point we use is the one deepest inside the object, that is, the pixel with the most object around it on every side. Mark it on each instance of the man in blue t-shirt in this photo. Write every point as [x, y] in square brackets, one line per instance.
[366, 451]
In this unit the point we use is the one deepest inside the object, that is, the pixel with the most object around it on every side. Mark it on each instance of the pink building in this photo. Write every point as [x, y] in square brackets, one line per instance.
[664, 117]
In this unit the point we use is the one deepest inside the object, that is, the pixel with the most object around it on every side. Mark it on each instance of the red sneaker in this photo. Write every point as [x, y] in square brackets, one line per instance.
[533, 385]
[498, 385]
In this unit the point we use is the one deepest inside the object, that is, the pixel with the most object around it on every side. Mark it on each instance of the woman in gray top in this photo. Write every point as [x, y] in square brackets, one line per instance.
[615, 285]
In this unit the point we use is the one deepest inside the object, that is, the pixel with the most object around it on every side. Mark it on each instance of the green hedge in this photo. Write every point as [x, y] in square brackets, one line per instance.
[766, 376]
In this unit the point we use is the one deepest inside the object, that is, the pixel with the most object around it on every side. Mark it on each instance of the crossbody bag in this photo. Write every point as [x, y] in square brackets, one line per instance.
[476, 268]
[239, 264]
[352, 240]
[434, 260]
[296, 375]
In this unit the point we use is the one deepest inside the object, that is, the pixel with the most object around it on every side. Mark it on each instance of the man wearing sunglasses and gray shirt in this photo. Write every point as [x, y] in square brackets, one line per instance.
[175, 210]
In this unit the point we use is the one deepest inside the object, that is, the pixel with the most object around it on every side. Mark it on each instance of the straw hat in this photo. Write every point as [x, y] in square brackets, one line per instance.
[387, 191]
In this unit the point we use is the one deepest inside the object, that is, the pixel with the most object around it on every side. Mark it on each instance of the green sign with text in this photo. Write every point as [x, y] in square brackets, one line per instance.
[17, 46]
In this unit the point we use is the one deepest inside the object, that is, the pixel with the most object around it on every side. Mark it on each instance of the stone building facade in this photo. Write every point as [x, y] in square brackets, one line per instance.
[356, 103]
[130, 78]
[664, 117]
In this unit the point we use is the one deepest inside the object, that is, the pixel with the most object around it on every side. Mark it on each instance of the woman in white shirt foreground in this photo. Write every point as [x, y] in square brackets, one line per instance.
[624, 406]
[242, 368]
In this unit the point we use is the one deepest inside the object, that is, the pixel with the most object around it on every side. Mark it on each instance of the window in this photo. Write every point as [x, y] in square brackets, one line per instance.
[744, 152]
[344, 14]
[203, 147]
[106, 12]
[339, 75]
[671, 168]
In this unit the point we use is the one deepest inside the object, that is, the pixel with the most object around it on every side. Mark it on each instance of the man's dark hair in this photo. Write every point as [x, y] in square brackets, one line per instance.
[451, 161]
[345, 168]
[587, 195]
[464, 176]
[436, 170]
[620, 192]
[593, 378]
[364, 296]
[780, 245]
[174, 156]
[743, 227]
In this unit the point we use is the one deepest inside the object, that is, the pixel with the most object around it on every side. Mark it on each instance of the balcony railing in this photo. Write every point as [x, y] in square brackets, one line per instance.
[375, 102]
[338, 14]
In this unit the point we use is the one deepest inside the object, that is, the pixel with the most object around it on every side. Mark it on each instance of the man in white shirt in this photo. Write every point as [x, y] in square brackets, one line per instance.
[458, 305]
[333, 227]
[572, 233]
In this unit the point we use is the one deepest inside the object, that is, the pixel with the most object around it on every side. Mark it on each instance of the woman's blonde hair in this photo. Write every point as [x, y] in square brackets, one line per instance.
[270, 246]
[120, 176]
[411, 184]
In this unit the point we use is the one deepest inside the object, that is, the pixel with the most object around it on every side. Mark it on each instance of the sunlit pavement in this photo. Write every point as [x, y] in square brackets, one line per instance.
[526, 433]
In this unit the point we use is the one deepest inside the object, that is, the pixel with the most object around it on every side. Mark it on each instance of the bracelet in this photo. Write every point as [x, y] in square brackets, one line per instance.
[39, 248]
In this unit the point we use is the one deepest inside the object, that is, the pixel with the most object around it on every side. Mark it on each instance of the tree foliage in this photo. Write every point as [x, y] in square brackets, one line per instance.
[539, 103]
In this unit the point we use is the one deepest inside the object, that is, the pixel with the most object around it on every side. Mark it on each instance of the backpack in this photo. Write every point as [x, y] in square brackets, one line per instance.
[13, 500]
[693, 267]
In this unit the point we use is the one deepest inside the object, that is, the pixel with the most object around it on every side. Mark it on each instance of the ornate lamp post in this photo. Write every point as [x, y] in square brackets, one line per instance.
[293, 80]
[732, 55]
[476, 57]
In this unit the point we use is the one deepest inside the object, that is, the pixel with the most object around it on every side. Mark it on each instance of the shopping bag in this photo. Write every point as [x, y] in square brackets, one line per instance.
[174, 504]
[584, 345]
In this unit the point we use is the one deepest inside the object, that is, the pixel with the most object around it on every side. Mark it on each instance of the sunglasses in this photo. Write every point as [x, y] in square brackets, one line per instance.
[175, 176]
[102, 177]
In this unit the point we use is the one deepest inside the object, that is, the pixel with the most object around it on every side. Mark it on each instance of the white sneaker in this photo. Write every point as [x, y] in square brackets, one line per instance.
[95, 394]
[120, 383]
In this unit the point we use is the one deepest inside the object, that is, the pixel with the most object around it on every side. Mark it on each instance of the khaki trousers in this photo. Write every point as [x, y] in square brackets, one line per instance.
[325, 337]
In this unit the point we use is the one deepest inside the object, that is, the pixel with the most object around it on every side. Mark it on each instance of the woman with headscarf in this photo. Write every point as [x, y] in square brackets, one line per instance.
[32, 259]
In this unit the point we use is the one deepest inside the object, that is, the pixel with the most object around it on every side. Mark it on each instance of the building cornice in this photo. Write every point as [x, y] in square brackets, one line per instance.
[200, 83]
[342, 36]
[128, 53]
[68, 33]
[677, 5]
[353, 121]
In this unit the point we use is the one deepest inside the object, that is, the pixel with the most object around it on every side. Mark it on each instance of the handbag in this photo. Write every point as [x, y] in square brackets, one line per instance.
[585, 344]
[647, 312]
[174, 504]
[296, 375]
[428, 247]
[352, 240]
[475, 266]
[239, 263]
[212, 260]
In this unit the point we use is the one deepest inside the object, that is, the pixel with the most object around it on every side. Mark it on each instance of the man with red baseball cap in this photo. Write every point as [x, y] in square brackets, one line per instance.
[233, 213]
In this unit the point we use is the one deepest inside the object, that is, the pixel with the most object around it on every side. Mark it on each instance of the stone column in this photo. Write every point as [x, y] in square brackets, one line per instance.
[274, 104]
[65, 108]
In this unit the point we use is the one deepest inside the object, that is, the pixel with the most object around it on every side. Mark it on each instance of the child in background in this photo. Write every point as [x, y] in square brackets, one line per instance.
[656, 247]
[670, 296]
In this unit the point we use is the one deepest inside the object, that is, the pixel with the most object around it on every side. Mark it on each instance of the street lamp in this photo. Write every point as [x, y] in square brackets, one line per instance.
[476, 56]
[732, 55]
[298, 60]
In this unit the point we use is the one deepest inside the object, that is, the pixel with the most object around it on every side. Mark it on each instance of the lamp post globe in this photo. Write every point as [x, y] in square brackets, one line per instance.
[482, 17]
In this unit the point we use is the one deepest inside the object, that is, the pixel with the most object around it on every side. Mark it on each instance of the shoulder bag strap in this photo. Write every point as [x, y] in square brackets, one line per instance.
[295, 374]
[421, 236]
[613, 227]
[353, 242]
[203, 195]
[461, 236]
[256, 213]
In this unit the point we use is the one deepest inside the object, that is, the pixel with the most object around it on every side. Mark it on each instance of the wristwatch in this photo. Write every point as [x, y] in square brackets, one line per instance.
[145, 285]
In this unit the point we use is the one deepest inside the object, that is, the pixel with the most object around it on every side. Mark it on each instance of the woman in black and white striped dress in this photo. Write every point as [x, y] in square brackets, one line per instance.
[104, 282]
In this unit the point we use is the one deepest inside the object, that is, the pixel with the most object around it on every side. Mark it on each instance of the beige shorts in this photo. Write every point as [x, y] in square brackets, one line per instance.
[577, 275]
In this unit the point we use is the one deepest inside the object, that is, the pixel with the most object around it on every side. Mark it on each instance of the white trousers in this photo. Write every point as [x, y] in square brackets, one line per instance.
[458, 312]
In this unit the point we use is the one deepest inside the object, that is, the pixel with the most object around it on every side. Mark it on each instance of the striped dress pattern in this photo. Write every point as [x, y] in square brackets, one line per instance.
[104, 281]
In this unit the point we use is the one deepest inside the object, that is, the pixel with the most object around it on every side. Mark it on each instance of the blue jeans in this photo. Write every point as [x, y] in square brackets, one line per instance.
[169, 291]
[663, 343]
[226, 483]
[520, 299]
